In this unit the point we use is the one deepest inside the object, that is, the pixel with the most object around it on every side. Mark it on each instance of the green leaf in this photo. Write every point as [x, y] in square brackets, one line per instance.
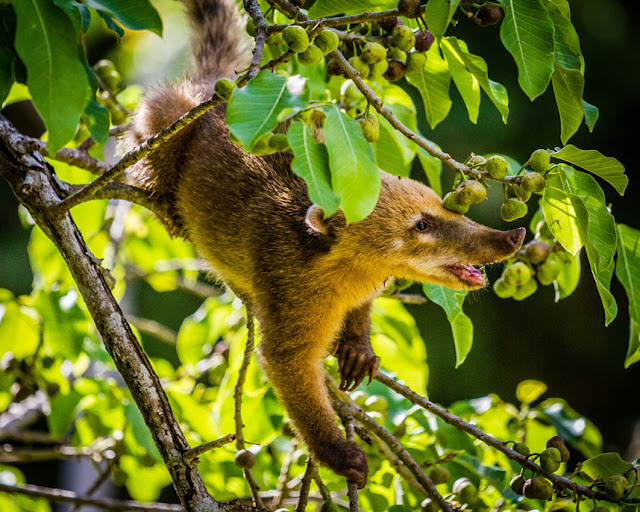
[527, 33]
[98, 117]
[355, 177]
[591, 114]
[19, 330]
[46, 41]
[64, 408]
[393, 151]
[597, 231]
[111, 24]
[567, 50]
[569, 277]
[133, 14]
[432, 168]
[331, 7]
[605, 167]
[467, 84]
[311, 163]
[628, 273]
[476, 65]
[461, 326]
[432, 82]
[568, 86]
[267, 94]
[140, 430]
[560, 215]
[7, 53]
[18, 92]
[604, 466]
[530, 390]
[438, 14]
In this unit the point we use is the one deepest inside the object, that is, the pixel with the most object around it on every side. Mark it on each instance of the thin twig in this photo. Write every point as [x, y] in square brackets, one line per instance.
[336, 21]
[393, 443]
[352, 488]
[62, 496]
[474, 431]
[190, 455]
[326, 495]
[11, 454]
[153, 328]
[306, 485]
[253, 8]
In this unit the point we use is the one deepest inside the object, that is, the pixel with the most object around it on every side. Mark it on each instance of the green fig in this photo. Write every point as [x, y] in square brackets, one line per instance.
[296, 38]
[327, 41]
[517, 485]
[550, 460]
[558, 442]
[415, 62]
[312, 55]
[396, 53]
[370, 129]
[522, 449]
[373, 52]
[503, 289]
[540, 161]
[471, 192]
[517, 274]
[224, 88]
[513, 209]
[450, 202]
[378, 69]
[538, 488]
[496, 166]
[275, 39]
[403, 38]
[525, 290]
[279, 142]
[548, 270]
[615, 487]
[360, 66]
[251, 28]
[439, 475]
[537, 251]
[477, 161]
[329, 506]
[465, 490]
[245, 459]
[533, 182]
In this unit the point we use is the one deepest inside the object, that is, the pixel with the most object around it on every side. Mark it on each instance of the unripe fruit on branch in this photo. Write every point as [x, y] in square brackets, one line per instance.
[275, 39]
[439, 475]
[373, 52]
[558, 442]
[329, 506]
[376, 403]
[334, 69]
[513, 209]
[538, 488]
[488, 15]
[471, 192]
[279, 142]
[477, 160]
[550, 460]
[525, 290]
[415, 62]
[389, 24]
[496, 166]
[517, 192]
[450, 202]
[533, 182]
[503, 290]
[251, 28]
[327, 41]
[224, 88]
[370, 129]
[517, 485]
[548, 270]
[103, 66]
[312, 55]
[296, 38]
[537, 251]
[396, 53]
[410, 8]
[540, 161]
[378, 69]
[465, 490]
[261, 147]
[424, 40]
[396, 70]
[360, 66]
[615, 487]
[517, 274]
[403, 38]
[522, 449]
[245, 459]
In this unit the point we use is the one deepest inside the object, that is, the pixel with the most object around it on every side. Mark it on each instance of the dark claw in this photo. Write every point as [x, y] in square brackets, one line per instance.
[354, 365]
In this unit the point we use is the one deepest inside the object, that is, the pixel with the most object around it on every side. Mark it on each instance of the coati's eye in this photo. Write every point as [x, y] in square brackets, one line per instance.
[422, 226]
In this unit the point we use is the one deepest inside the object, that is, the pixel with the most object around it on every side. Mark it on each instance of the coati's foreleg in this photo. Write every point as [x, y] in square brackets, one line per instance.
[294, 367]
[356, 359]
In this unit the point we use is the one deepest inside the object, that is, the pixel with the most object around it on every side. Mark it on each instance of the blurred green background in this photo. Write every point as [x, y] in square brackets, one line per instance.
[564, 345]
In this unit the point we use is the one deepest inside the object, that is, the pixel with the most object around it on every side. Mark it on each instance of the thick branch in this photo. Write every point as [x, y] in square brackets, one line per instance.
[474, 431]
[62, 496]
[32, 183]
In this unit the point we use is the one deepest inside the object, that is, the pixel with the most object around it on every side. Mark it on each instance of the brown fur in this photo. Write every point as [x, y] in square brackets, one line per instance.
[310, 284]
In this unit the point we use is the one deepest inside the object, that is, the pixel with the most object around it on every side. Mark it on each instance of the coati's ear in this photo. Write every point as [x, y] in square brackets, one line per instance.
[315, 220]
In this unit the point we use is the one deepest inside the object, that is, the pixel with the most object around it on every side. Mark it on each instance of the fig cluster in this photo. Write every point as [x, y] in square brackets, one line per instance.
[110, 83]
[468, 192]
[538, 262]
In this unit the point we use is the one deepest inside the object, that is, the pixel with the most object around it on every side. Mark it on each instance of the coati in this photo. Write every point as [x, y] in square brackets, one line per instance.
[308, 280]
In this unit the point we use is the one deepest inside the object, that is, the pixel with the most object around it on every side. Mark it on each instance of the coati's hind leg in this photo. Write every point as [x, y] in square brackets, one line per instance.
[356, 359]
[295, 370]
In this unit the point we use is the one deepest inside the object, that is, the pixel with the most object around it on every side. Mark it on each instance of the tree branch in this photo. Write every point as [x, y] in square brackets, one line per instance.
[12, 454]
[62, 496]
[335, 21]
[474, 431]
[306, 485]
[31, 179]
[190, 455]
[253, 8]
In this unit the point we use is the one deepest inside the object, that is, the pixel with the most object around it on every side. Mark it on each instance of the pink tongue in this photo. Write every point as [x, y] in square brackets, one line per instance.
[471, 274]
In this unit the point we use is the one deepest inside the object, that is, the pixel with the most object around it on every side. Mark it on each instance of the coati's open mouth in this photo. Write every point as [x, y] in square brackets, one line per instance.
[468, 274]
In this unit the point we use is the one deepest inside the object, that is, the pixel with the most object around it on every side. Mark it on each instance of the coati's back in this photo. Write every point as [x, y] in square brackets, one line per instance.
[227, 195]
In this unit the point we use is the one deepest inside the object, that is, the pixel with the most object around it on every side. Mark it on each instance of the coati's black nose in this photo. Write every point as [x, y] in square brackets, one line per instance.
[515, 237]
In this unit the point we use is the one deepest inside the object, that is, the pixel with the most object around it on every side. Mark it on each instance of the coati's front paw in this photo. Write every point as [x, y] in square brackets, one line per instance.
[346, 459]
[355, 362]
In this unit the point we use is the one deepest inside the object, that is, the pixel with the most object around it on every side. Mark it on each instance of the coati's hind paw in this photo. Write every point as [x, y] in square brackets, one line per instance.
[355, 362]
[346, 459]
